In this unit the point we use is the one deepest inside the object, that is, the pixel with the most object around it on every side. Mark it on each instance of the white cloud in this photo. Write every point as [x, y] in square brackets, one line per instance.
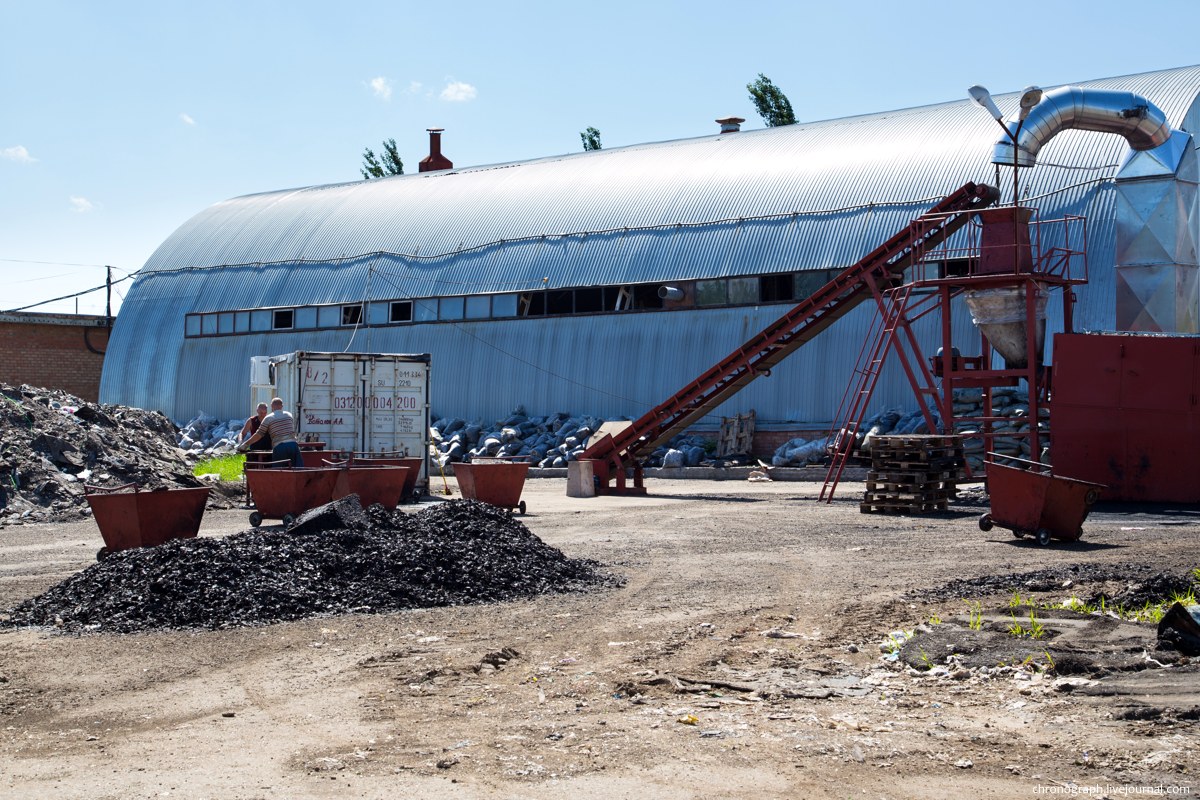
[81, 204]
[187, 119]
[17, 153]
[382, 87]
[458, 92]
[414, 87]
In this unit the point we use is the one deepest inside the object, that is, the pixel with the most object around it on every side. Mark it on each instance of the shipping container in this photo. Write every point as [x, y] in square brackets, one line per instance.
[353, 402]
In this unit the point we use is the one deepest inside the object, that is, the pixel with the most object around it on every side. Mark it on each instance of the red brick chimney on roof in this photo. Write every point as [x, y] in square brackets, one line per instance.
[435, 160]
[730, 124]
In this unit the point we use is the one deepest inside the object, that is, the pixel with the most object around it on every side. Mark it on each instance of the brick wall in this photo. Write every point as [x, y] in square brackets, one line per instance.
[53, 355]
[767, 442]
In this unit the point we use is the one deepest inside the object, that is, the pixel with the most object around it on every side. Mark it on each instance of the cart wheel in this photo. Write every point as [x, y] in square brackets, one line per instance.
[255, 519]
[288, 519]
[1043, 537]
[1091, 497]
[103, 553]
[1020, 534]
[985, 522]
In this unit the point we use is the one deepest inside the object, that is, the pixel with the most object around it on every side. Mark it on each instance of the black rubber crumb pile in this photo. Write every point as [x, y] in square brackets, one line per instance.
[1128, 584]
[335, 559]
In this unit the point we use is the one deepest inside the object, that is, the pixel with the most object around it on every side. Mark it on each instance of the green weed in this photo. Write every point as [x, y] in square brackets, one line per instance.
[925, 659]
[229, 467]
[975, 613]
[1034, 631]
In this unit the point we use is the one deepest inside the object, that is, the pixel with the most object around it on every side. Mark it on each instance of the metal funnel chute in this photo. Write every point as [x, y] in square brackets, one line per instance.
[1002, 314]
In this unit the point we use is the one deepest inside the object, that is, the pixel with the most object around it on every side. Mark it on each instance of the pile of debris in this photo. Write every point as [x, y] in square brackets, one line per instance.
[336, 559]
[204, 435]
[1011, 429]
[893, 422]
[53, 443]
[544, 441]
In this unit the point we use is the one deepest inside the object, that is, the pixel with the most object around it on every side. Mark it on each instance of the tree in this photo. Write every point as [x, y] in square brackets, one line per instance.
[772, 104]
[390, 164]
[591, 139]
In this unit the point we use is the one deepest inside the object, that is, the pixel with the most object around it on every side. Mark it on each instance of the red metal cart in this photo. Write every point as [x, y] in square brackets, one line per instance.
[392, 460]
[139, 518]
[382, 484]
[284, 494]
[495, 481]
[313, 454]
[1033, 501]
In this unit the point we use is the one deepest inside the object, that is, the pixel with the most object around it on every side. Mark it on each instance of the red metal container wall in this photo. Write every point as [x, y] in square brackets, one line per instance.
[1124, 414]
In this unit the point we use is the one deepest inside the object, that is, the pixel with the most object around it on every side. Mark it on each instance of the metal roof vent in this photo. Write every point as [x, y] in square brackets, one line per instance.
[731, 124]
[435, 160]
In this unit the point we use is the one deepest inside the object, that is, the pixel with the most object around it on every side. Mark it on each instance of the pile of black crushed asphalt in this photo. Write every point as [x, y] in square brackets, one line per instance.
[1125, 584]
[335, 559]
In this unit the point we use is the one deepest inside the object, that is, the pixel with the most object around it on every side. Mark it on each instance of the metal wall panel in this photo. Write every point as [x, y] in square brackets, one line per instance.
[587, 219]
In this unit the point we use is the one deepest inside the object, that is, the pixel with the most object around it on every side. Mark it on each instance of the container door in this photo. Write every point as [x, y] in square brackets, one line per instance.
[397, 408]
[1087, 436]
[331, 392]
[1156, 405]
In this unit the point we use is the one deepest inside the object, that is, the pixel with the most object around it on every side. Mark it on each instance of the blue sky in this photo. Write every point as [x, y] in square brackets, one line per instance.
[120, 120]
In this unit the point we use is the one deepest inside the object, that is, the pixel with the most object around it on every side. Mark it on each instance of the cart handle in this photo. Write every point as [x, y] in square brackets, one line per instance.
[1041, 467]
[89, 489]
[500, 460]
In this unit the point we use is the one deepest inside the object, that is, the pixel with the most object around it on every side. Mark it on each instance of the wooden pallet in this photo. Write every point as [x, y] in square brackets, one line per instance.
[897, 506]
[914, 474]
[909, 487]
[946, 464]
[737, 435]
[919, 441]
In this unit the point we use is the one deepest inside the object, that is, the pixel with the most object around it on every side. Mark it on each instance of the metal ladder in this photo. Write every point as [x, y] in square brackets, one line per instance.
[891, 332]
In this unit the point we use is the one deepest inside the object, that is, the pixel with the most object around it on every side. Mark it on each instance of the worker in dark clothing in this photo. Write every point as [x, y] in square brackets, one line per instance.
[251, 428]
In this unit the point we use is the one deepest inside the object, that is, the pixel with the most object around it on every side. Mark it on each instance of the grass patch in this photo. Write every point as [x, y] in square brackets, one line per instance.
[229, 466]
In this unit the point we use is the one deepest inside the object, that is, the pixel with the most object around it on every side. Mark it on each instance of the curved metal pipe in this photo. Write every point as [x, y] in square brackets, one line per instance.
[1130, 115]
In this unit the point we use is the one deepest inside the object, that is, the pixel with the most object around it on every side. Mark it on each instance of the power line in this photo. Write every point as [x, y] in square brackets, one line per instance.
[64, 264]
[69, 296]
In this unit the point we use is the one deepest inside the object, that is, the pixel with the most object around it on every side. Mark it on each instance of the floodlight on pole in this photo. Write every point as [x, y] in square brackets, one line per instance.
[1032, 95]
[983, 98]
[1029, 98]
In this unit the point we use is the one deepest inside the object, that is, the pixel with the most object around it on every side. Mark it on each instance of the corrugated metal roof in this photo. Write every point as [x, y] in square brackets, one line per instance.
[808, 196]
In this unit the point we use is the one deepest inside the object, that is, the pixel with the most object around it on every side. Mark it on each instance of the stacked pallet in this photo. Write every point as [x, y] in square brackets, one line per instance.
[912, 474]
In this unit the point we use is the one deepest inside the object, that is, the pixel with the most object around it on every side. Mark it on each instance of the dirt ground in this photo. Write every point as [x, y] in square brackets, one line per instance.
[741, 659]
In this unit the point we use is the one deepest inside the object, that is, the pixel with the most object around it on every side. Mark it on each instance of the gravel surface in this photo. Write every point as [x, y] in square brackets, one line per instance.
[746, 655]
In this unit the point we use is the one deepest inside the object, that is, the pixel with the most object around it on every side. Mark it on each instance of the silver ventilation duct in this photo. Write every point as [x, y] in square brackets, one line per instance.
[1127, 114]
[1158, 239]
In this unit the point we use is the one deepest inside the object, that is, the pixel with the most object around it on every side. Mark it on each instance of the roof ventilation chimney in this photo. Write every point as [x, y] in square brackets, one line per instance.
[435, 160]
[731, 124]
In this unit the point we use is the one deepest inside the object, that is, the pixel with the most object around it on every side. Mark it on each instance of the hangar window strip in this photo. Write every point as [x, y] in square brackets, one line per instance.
[785, 287]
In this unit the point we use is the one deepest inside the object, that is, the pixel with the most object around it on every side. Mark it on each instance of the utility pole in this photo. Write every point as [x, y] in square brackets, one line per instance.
[108, 297]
